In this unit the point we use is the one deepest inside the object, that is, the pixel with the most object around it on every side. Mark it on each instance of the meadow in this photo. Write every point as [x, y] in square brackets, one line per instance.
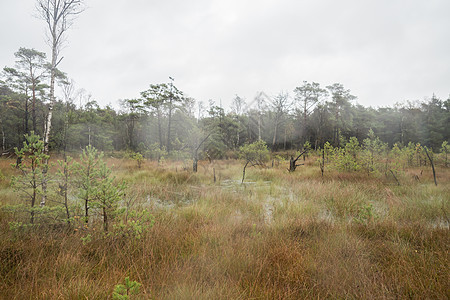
[279, 235]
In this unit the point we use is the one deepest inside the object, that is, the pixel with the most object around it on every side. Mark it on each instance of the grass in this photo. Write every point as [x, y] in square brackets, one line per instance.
[279, 235]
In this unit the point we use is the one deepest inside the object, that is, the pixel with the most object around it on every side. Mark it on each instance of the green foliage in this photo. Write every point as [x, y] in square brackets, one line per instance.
[373, 149]
[328, 151]
[366, 214]
[126, 289]
[307, 147]
[156, 152]
[394, 159]
[346, 159]
[107, 194]
[19, 227]
[87, 173]
[96, 185]
[413, 155]
[86, 239]
[64, 179]
[420, 156]
[408, 153]
[256, 152]
[138, 158]
[32, 165]
[277, 159]
[134, 225]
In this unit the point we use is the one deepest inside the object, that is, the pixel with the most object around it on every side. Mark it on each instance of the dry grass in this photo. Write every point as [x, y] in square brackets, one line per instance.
[279, 236]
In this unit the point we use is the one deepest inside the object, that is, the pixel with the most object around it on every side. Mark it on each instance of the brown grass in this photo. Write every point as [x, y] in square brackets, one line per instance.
[279, 236]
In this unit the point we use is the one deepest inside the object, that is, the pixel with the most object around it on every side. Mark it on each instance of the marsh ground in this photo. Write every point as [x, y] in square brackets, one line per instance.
[280, 235]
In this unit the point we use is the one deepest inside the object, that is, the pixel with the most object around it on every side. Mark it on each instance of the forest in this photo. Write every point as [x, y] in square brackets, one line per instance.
[299, 195]
[163, 121]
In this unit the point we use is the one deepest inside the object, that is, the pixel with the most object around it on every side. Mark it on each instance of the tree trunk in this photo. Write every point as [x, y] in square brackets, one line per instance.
[336, 127]
[26, 116]
[292, 165]
[3, 140]
[259, 126]
[169, 145]
[243, 171]
[195, 158]
[158, 112]
[195, 164]
[293, 162]
[105, 219]
[33, 113]
[432, 165]
[52, 94]
[48, 125]
[322, 164]
[86, 210]
[275, 134]
[304, 122]
[33, 106]
[66, 185]
[130, 131]
[33, 199]
[395, 177]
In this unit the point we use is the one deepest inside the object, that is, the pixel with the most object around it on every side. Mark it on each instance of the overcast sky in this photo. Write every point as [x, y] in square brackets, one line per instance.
[384, 51]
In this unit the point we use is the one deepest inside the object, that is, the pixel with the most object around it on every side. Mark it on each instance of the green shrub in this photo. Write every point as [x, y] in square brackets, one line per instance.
[125, 290]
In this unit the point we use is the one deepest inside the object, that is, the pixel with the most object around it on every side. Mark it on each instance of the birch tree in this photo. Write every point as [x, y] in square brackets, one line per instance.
[280, 105]
[58, 16]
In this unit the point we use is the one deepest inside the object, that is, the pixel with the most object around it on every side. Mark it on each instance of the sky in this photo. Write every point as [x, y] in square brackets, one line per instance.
[383, 51]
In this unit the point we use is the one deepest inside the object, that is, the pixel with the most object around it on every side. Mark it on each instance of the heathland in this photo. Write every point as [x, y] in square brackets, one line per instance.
[176, 234]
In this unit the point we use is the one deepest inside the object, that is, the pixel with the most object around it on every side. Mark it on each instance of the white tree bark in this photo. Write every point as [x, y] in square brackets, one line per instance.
[58, 15]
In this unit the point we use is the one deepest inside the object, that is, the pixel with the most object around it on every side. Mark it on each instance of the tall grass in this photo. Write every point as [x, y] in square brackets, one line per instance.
[279, 236]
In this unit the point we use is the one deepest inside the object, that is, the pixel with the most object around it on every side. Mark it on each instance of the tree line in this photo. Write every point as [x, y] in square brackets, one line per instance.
[163, 121]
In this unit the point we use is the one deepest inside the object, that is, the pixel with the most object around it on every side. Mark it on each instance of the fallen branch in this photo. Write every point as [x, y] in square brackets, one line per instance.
[432, 165]
[398, 182]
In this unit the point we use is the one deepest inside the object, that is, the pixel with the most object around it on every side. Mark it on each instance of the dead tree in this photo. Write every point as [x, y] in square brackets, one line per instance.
[432, 165]
[322, 163]
[195, 163]
[293, 162]
[395, 177]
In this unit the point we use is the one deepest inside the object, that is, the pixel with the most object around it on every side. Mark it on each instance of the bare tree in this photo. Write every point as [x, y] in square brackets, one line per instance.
[238, 108]
[293, 162]
[260, 100]
[280, 105]
[195, 158]
[58, 15]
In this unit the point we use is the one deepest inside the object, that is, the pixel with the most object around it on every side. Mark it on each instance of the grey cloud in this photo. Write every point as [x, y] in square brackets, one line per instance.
[384, 51]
